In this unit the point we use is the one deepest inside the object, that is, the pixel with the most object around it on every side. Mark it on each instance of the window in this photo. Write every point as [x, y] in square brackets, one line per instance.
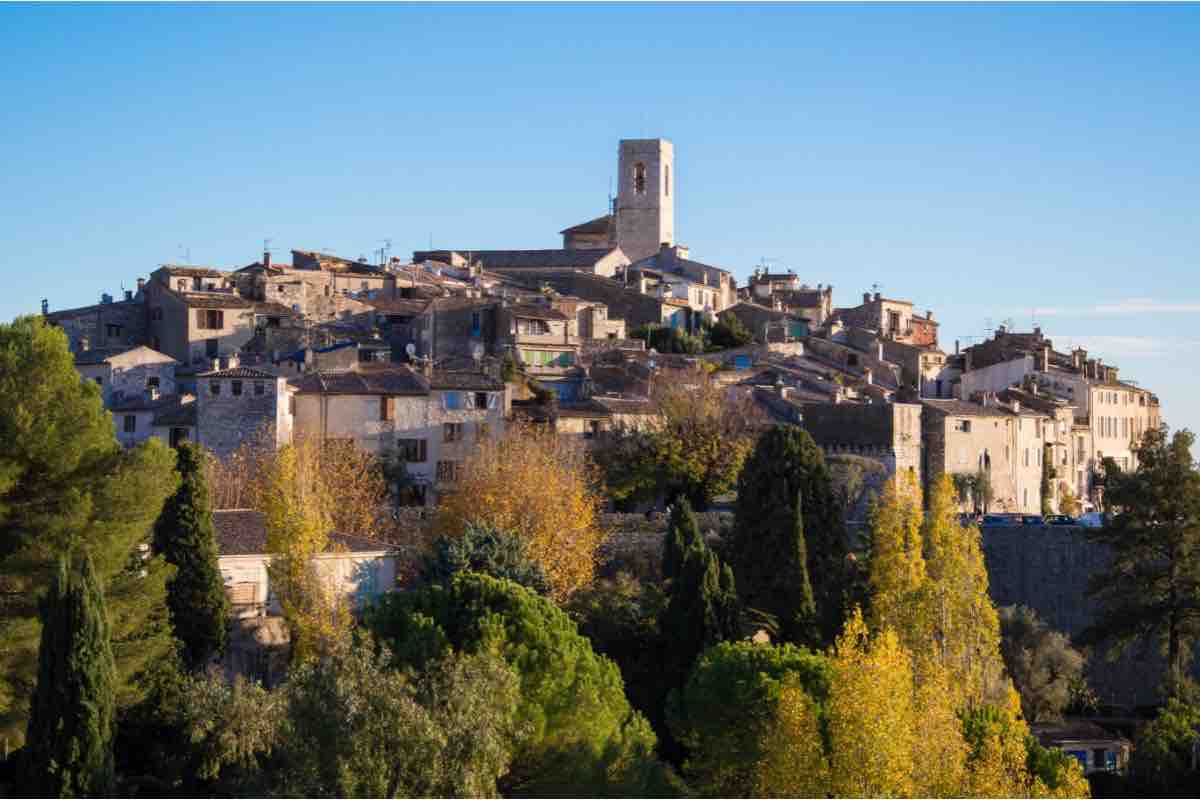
[130, 423]
[212, 347]
[452, 432]
[536, 327]
[112, 331]
[592, 430]
[99, 381]
[1027, 456]
[963, 425]
[476, 323]
[214, 388]
[260, 388]
[210, 319]
[152, 382]
[412, 450]
[481, 400]
[639, 178]
[453, 401]
[448, 471]
[236, 388]
[387, 408]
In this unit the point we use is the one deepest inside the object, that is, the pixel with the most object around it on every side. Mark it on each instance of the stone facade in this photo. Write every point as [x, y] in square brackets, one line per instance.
[889, 433]
[962, 438]
[891, 319]
[127, 374]
[103, 326]
[237, 404]
[645, 196]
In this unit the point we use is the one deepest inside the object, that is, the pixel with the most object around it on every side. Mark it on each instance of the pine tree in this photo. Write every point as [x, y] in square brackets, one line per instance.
[70, 752]
[65, 482]
[184, 536]
[765, 551]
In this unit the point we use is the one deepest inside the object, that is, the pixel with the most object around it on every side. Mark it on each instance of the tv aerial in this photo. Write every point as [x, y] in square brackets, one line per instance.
[411, 349]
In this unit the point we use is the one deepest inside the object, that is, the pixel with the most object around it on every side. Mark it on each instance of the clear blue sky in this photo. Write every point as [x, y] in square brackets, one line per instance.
[983, 161]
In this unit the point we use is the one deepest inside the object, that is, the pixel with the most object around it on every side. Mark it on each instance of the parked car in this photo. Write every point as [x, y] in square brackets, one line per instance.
[1092, 519]
[1001, 519]
[1032, 519]
[1060, 519]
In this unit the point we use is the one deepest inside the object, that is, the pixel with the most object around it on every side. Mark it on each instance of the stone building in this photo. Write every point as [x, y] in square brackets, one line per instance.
[706, 288]
[1110, 414]
[541, 338]
[891, 319]
[239, 404]
[961, 438]
[785, 292]
[433, 421]
[195, 314]
[127, 373]
[601, 261]
[889, 433]
[775, 325]
[107, 325]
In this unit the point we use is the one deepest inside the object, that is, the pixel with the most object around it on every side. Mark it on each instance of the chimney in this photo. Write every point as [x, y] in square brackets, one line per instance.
[214, 364]
[866, 298]
[141, 284]
[266, 258]
[956, 347]
[1016, 406]
[929, 314]
[128, 295]
[868, 375]
[233, 360]
[1045, 365]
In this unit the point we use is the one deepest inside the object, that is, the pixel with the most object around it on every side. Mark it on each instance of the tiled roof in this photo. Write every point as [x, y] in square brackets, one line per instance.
[212, 299]
[468, 381]
[626, 405]
[805, 298]
[583, 408]
[71, 313]
[239, 372]
[98, 355]
[272, 308]
[962, 408]
[521, 259]
[141, 402]
[387, 380]
[597, 225]
[397, 305]
[177, 414]
[194, 272]
[532, 311]
[243, 532]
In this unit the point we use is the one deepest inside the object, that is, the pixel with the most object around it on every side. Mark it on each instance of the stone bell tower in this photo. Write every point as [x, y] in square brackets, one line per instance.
[645, 196]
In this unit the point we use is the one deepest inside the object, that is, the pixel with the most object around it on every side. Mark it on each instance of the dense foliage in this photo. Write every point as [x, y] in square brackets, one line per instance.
[66, 483]
[183, 535]
[1040, 660]
[578, 732]
[789, 522]
[70, 748]
[1150, 591]
[481, 548]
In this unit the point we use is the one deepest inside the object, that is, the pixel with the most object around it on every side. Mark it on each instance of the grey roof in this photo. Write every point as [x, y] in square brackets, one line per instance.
[389, 380]
[243, 532]
[176, 414]
[239, 372]
[211, 299]
[521, 259]
[534, 311]
[141, 402]
[194, 272]
[962, 408]
[583, 408]
[626, 405]
[99, 355]
[597, 225]
[467, 381]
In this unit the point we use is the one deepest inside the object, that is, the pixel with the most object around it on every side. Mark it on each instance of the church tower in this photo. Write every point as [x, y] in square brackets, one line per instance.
[645, 196]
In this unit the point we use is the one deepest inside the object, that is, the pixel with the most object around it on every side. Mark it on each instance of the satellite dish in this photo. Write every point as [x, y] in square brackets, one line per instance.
[477, 351]
[411, 349]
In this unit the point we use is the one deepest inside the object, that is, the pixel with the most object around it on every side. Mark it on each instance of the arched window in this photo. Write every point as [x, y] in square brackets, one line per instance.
[667, 179]
[639, 178]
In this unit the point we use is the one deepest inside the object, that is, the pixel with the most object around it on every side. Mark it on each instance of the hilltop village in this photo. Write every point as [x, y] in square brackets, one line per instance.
[424, 356]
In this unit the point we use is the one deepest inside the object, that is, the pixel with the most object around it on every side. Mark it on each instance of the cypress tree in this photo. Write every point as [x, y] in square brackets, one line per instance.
[785, 482]
[183, 535]
[803, 623]
[682, 533]
[69, 738]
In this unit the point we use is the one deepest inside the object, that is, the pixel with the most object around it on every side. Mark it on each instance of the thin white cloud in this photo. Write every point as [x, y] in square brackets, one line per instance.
[1141, 305]
[1132, 347]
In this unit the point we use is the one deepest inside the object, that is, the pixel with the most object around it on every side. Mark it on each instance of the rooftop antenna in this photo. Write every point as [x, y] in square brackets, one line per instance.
[187, 254]
[267, 245]
[875, 287]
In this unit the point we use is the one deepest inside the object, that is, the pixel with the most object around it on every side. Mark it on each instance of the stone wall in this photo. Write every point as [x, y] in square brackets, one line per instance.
[104, 325]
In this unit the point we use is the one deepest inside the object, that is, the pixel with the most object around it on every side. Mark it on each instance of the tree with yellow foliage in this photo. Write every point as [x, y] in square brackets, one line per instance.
[540, 487]
[793, 762]
[297, 509]
[871, 717]
[897, 565]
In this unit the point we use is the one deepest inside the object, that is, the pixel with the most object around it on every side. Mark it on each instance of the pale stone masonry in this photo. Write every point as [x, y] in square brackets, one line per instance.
[236, 404]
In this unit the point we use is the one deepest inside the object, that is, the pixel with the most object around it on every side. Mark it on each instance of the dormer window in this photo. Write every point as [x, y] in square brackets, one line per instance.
[639, 178]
